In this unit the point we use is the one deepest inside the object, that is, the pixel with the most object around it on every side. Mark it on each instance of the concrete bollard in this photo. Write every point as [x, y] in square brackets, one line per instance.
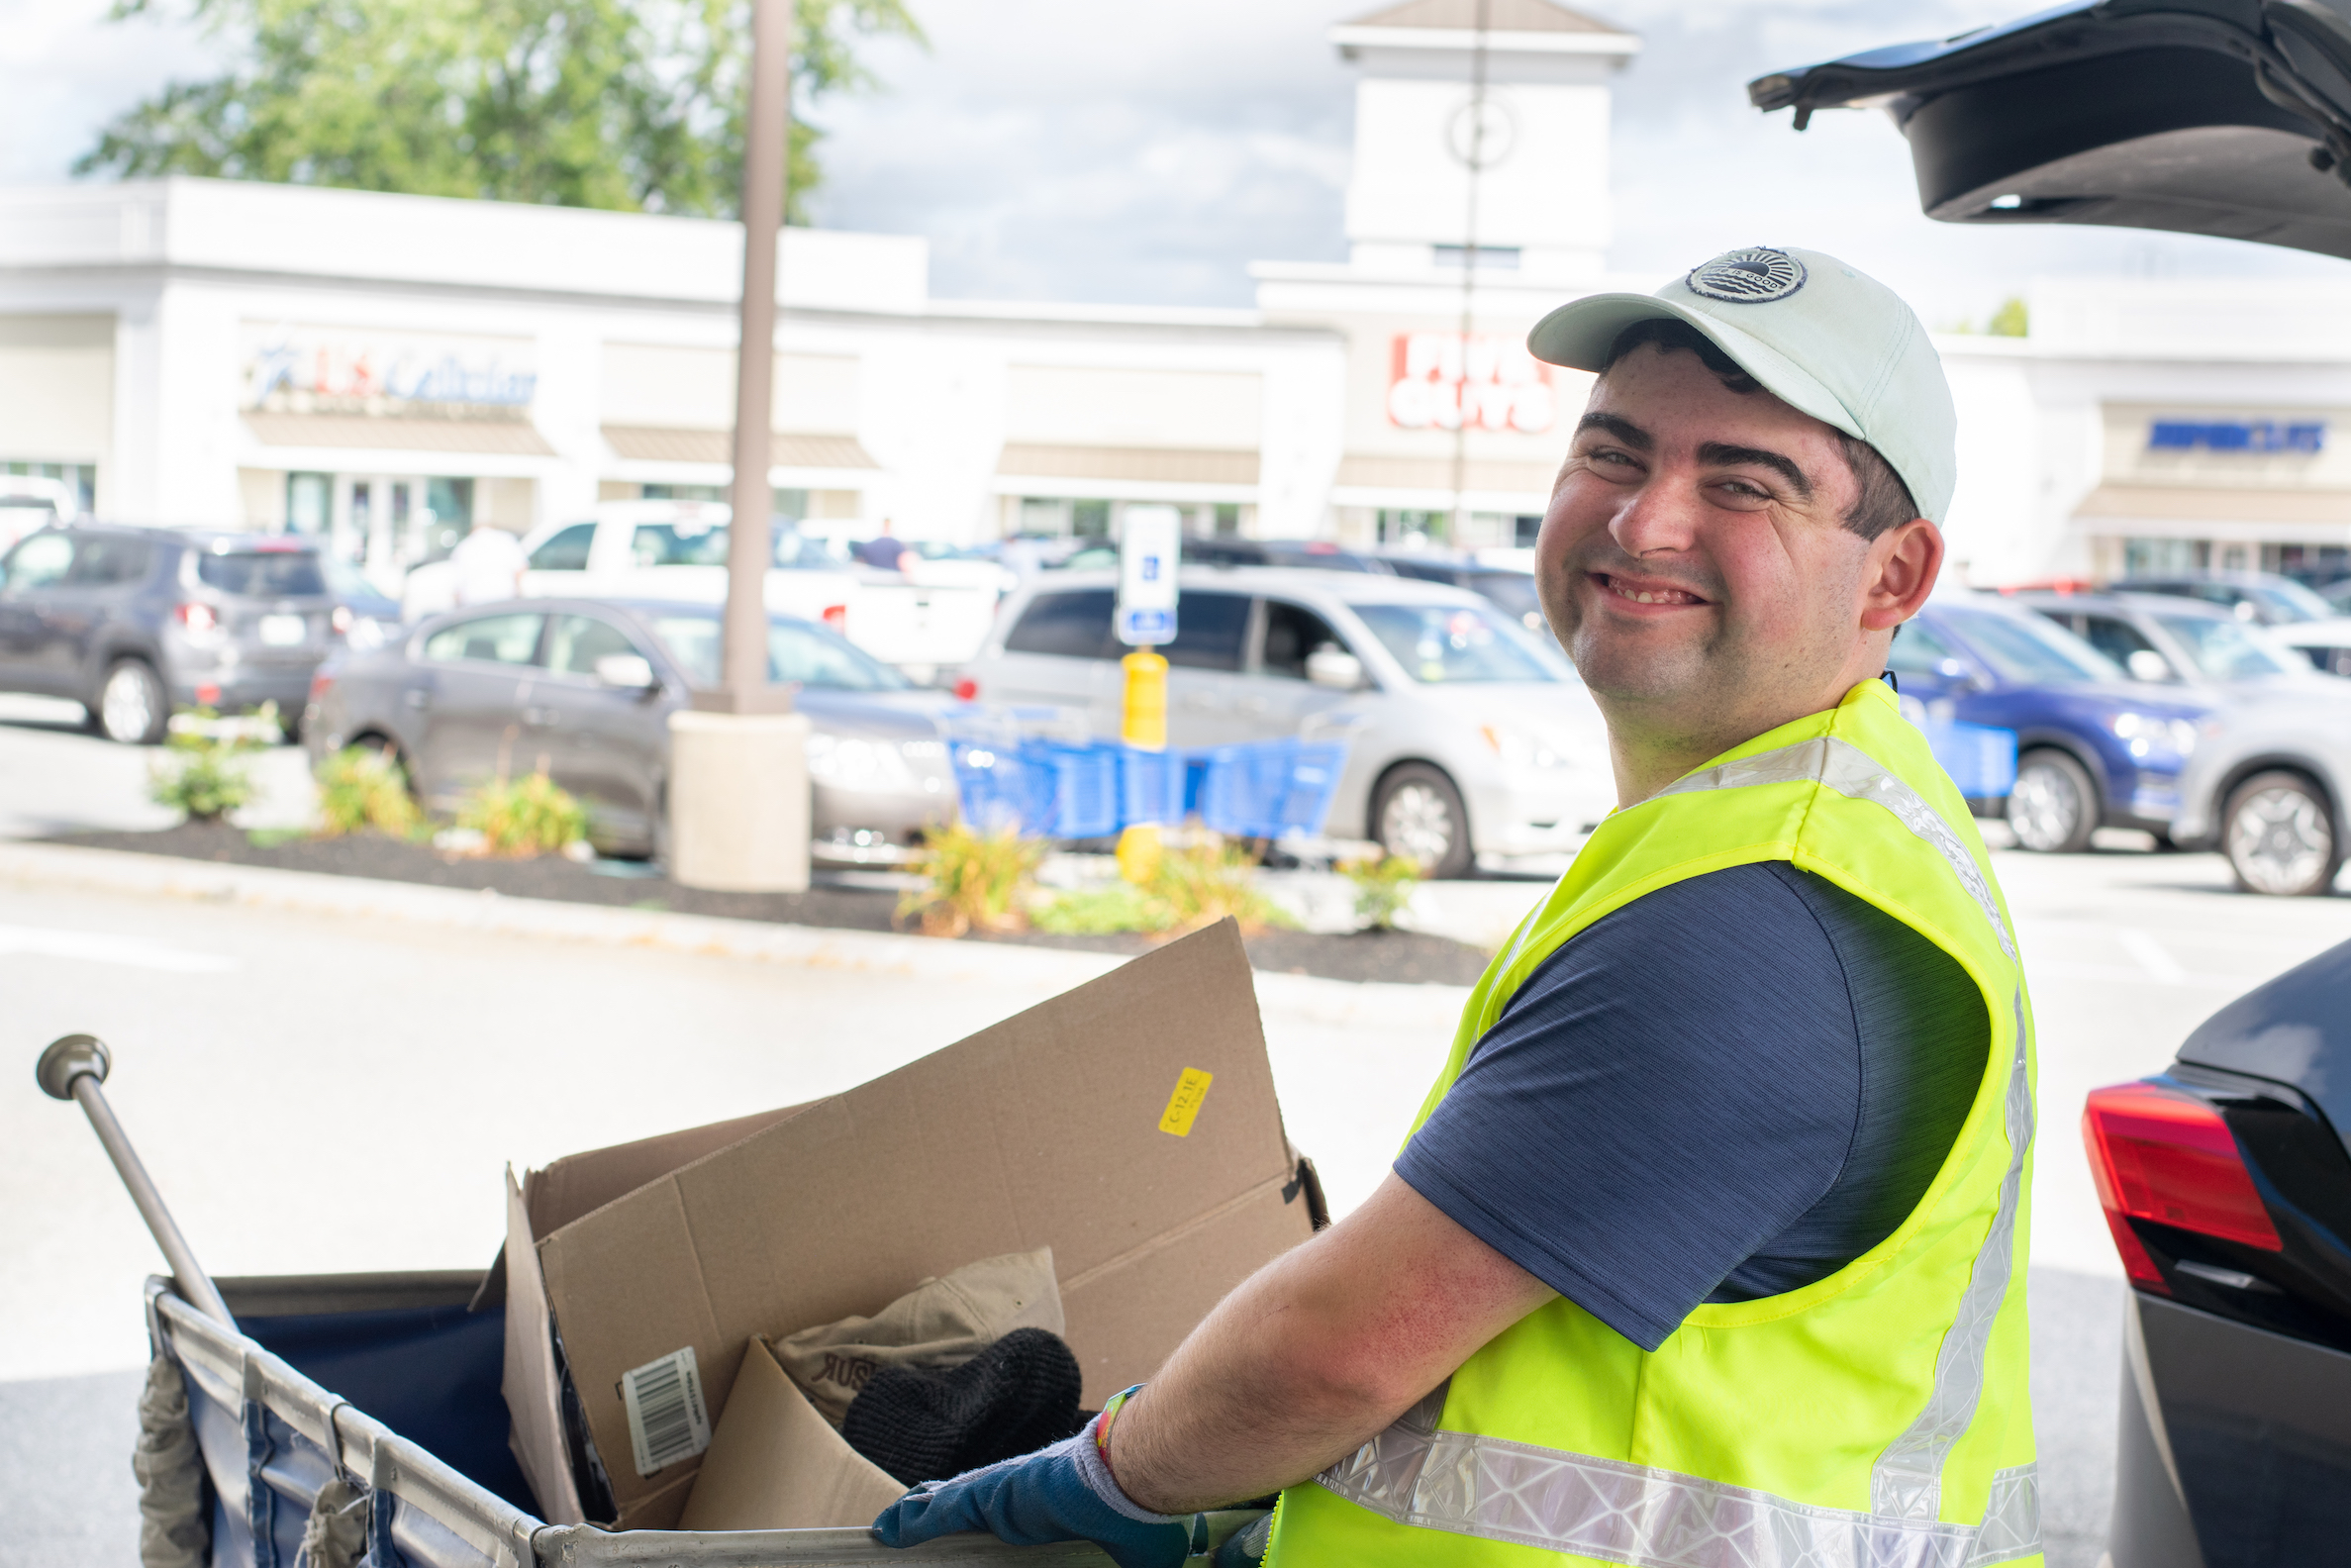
[738, 802]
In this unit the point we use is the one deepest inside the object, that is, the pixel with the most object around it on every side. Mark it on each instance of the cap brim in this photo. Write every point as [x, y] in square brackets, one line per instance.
[1579, 334]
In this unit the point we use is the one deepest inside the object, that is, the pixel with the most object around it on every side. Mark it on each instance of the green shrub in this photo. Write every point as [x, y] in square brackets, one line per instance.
[1205, 880]
[203, 771]
[1384, 885]
[1099, 911]
[362, 788]
[1193, 884]
[970, 880]
[529, 816]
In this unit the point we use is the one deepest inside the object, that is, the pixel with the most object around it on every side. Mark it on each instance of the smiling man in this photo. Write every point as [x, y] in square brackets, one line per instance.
[1706, 1245]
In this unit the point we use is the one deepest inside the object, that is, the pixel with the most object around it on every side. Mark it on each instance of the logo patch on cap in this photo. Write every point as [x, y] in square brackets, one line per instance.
[1754, 276]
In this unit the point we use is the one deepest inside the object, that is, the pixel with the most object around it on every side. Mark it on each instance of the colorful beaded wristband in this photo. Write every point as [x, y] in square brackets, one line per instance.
[1102, 1422]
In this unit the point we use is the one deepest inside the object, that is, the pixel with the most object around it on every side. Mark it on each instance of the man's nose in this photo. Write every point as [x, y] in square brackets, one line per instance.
[1657, 519]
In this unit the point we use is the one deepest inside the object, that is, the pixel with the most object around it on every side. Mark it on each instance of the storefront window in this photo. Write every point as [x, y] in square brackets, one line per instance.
[790, 505]
[83, 478]
[451, 500]
[309, 502]
[1090, 518]
[685, 492]
[2154, 557]
[1410, 527]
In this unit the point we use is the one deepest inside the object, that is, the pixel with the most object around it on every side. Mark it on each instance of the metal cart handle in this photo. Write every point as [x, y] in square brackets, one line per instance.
[73, 1068]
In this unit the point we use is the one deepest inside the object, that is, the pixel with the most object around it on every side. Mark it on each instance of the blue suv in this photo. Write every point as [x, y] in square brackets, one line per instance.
[2094, 749]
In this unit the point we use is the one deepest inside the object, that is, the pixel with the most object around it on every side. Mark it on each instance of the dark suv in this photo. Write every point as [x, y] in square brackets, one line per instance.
[132, 621]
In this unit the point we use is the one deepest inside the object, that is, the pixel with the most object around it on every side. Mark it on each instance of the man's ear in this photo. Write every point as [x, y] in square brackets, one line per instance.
[1903, 565]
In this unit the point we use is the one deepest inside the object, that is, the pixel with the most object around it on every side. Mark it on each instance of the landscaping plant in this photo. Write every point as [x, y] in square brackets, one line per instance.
[529, 816]
[971, 881]
[362, 788]
[1384, 885]
[203, 770]
[1193, 883]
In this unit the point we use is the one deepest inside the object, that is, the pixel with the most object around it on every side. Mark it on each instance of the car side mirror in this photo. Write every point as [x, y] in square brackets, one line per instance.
[2148, 666]
[626, 672]
[1334, 666]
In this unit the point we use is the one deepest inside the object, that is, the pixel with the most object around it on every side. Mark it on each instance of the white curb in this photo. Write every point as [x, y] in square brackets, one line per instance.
[320, 892]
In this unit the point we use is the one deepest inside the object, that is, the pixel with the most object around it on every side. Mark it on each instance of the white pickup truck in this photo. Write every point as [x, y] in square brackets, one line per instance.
[677, 549]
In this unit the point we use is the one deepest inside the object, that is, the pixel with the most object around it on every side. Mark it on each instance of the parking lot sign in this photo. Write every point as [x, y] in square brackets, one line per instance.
[1150, 547]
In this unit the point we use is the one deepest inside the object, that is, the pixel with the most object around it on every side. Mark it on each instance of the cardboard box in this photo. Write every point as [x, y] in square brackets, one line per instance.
[1130, 1125]
[776, 1463]
[542, 1202]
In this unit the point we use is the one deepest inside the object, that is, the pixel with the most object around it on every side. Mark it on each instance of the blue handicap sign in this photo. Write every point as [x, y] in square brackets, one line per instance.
[1144, 626]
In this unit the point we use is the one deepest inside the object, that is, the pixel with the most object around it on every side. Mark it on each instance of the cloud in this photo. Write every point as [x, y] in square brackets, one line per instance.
[1118, 152]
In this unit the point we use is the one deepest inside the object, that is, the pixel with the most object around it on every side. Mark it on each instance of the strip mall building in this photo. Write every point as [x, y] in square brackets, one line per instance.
[357, 364]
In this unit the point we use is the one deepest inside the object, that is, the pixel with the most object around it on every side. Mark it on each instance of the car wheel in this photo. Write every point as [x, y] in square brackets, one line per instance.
[2280, 836]
[2053, 806]
[132, 707]
[1417, 813]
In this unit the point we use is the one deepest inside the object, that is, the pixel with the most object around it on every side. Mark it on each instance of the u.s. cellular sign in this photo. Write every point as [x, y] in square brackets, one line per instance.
[1442, 380]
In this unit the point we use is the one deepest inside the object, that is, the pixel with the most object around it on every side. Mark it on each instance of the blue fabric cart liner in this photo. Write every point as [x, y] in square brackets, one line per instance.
[272, 1434]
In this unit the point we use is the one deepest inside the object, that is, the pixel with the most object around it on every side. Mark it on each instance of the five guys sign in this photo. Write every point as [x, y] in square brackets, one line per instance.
[1491, 382]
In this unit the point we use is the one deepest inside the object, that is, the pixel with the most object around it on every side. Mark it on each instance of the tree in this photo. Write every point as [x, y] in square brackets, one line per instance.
[2010, 321]
[630, 105]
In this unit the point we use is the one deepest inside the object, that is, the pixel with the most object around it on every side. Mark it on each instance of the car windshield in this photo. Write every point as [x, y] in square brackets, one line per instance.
[1447, 644]
[2223, 650]
[804, 654]
[263, 574]
[2030, 651]
[2290, 601]
[347, 581]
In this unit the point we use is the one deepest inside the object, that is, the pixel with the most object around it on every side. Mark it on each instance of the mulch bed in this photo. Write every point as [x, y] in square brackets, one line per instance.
[1404, 957]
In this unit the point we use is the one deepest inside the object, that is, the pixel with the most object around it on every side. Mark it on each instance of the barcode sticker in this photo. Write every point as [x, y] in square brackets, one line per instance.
[1182, 1106]
[667, 1420]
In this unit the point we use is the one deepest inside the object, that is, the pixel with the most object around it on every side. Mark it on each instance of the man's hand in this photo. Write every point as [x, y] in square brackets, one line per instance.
[1060, 1493]
[1314, 1353]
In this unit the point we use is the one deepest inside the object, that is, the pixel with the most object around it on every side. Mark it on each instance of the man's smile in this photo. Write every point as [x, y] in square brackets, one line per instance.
[1646, 591]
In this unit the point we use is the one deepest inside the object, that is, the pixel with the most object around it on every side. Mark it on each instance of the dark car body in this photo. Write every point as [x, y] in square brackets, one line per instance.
[132, 621]
[512, 688]
[2226, 1180]
[1511, 591]
[1218, 550]
[2228, 1186]
[1982, 662]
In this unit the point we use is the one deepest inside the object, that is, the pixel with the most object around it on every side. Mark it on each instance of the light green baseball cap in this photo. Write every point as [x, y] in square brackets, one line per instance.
[1824, 338]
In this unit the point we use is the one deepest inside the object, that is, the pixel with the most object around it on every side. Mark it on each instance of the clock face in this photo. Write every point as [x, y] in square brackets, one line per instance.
[1481, 134]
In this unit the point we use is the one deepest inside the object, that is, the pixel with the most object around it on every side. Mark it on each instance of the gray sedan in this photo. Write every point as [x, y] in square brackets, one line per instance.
[584, 689]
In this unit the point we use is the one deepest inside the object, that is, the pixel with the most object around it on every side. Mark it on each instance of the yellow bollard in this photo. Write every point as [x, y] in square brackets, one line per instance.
[1144, 726]
[1146, 722]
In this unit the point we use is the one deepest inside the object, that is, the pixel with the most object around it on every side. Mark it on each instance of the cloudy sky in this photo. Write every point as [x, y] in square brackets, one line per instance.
[1122, 152]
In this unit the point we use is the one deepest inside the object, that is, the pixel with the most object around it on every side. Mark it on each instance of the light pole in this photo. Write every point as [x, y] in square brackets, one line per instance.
[739, 794]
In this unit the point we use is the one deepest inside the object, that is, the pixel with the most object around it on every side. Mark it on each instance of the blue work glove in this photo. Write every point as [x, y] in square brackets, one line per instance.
[1059, 1492]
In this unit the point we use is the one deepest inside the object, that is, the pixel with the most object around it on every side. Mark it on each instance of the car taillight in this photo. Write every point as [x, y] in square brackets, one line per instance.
[197, 617]
[966, 689]
[343, 619]
[2161, 1156]
[837, 617]
[319, 685]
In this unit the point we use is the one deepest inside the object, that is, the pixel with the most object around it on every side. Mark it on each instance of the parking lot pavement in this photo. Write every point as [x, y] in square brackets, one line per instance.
[57, 777]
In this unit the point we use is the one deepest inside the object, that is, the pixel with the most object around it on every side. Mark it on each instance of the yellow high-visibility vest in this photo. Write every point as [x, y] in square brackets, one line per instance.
[1875, 1419]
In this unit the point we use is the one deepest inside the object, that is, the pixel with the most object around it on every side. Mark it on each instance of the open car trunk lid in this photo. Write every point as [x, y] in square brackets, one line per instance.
[2214, 117]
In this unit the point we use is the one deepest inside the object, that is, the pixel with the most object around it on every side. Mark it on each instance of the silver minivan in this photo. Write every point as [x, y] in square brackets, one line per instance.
[1467, 736]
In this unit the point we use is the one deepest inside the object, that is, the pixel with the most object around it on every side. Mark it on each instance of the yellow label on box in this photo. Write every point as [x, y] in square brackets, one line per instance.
[1184, 1104]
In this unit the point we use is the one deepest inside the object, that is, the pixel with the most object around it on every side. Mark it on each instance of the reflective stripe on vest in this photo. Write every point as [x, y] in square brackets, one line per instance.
[1415, 1474]
[1554, 1499]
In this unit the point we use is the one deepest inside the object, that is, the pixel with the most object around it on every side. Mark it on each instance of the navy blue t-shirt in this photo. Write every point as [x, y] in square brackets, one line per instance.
[1730, 1088]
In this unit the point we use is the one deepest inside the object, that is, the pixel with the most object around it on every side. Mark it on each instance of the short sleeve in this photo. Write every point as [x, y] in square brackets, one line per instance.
[1664, 1095]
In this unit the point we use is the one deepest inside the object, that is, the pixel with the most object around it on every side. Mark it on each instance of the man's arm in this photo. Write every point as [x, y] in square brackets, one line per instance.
[1314, 1353]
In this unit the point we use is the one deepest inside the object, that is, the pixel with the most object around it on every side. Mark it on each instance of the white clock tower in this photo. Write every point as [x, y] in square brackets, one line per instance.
[1482, 122]
[1479, 201]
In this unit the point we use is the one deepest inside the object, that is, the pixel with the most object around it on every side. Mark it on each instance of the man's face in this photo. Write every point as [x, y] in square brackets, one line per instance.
[1694, 560]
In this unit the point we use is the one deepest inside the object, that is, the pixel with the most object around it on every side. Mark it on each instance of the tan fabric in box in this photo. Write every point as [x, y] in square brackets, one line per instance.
[940, 1322]
[1045, 1129]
